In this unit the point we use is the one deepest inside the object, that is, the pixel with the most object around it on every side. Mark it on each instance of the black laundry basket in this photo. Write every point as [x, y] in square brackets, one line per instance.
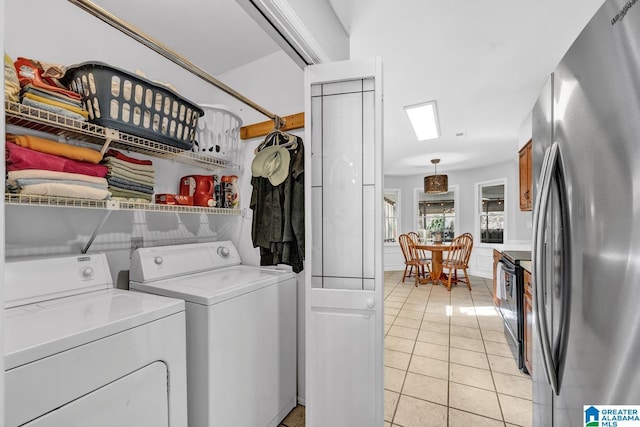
[124, 101]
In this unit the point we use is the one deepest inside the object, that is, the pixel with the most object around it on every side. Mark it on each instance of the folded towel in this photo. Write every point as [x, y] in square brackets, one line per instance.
[20, 158]
[51, 95]
[133, 167]
[53, 109]
[56, 103]
[121, 156]
[65, 190]
[47, 174]
[11, 82]
[133, 177]
[129, 194]
[24, 182]
[114, 181]
[48, 146]
[34, 72]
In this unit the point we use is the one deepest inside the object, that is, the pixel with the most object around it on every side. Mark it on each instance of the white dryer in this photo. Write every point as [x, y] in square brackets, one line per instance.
[241, 331]
[80, 353]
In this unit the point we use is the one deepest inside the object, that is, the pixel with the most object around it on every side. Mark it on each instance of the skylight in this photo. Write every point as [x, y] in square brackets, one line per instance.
[424, 119]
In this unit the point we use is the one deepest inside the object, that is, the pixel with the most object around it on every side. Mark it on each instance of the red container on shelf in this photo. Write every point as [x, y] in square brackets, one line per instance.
[174, 199]
[200, 187]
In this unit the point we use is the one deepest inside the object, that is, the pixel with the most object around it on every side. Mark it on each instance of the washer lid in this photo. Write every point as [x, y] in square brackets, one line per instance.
[39, 330]
[215, 286]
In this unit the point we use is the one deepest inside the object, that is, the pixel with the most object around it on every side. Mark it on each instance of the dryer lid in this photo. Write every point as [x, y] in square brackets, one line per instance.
[39, 330]
[215, 286]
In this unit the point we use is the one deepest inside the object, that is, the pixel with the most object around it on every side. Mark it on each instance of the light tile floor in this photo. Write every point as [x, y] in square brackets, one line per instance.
[446, 360]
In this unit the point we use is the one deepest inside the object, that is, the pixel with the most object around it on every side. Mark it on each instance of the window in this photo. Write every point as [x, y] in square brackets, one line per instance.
[436, 214]
[391, 215]
[491, 208]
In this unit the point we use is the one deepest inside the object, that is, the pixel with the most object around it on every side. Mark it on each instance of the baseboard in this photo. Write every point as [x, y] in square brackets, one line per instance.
[481, 273]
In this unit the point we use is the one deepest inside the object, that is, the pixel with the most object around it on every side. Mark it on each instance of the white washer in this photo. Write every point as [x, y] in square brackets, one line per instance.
[80, 353]
[241, 331]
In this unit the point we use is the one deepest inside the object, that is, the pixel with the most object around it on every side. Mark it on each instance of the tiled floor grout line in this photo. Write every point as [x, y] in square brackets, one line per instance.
[449, 370]
[493, 380]
[410, 298]
[406, 372]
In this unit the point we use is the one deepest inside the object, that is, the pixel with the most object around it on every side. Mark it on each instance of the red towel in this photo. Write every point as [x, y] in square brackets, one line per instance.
[20, 158]
[120, 156]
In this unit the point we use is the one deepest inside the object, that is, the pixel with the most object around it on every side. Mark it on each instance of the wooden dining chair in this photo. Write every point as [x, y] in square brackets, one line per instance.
[423, 255]
[405, 244]
[414, 236]
[458, 259]
[422, 266]
[469, 242]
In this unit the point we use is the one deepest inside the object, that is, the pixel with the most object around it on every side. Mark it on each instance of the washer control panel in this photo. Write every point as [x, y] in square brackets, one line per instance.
[163, 262]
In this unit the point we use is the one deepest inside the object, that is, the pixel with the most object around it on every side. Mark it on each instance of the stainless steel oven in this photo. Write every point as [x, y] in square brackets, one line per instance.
[511, 281]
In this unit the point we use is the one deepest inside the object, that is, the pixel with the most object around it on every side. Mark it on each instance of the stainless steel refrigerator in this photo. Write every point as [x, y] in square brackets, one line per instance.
[586, 244]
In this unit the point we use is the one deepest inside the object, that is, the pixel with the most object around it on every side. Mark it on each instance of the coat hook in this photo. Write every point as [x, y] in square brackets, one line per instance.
[279, 122]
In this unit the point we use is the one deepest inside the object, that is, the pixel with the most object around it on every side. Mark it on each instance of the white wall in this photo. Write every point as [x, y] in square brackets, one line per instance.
[322, 22]
[274, 82]
[517, 233]
[525, 132]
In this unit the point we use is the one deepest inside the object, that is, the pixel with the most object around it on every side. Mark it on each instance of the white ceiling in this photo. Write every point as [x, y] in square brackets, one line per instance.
[216, 35]
[484, 62]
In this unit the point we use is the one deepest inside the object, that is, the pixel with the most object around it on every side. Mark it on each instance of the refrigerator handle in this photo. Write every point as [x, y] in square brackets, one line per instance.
[539, 224]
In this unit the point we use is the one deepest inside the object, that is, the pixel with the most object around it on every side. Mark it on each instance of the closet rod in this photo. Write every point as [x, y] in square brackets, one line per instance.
[165, 51]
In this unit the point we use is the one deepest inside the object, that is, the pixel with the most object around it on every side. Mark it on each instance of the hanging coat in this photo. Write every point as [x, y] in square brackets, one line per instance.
[278, 215]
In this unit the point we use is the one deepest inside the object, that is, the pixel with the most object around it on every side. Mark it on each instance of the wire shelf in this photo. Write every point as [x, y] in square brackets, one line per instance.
[67, 202]
[45, 121]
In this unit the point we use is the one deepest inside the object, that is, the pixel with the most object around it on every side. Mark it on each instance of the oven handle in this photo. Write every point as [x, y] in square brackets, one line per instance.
[539, 224]
[507, 267]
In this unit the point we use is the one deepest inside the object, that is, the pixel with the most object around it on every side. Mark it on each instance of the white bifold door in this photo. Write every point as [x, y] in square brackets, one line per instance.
[344, 271]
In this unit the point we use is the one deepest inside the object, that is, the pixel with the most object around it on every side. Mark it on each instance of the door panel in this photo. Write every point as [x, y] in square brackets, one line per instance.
[343, 351]
[342, 183]
[344, 299]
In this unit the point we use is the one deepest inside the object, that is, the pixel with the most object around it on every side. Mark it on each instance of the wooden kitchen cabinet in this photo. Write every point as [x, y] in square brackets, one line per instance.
[528, 321]
[526, 181]
[496, 258]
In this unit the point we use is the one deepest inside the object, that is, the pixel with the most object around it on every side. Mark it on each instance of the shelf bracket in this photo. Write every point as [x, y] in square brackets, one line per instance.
[95, 232]
[110, 135]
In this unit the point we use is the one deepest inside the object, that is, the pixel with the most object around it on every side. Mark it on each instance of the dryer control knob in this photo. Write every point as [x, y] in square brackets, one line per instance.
[223, 251]
[158, 260]
[87, 272]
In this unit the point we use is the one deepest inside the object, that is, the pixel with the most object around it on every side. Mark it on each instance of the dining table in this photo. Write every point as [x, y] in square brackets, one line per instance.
[436, 249]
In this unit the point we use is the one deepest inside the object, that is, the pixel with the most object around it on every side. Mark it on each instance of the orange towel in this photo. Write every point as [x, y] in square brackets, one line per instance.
[28, 72]
[48, 146]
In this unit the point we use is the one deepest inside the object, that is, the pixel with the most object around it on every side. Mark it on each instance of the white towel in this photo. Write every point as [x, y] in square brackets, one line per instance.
[501, 290]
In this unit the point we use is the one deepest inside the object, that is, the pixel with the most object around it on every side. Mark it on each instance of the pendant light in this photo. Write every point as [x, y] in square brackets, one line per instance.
[436, 184]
